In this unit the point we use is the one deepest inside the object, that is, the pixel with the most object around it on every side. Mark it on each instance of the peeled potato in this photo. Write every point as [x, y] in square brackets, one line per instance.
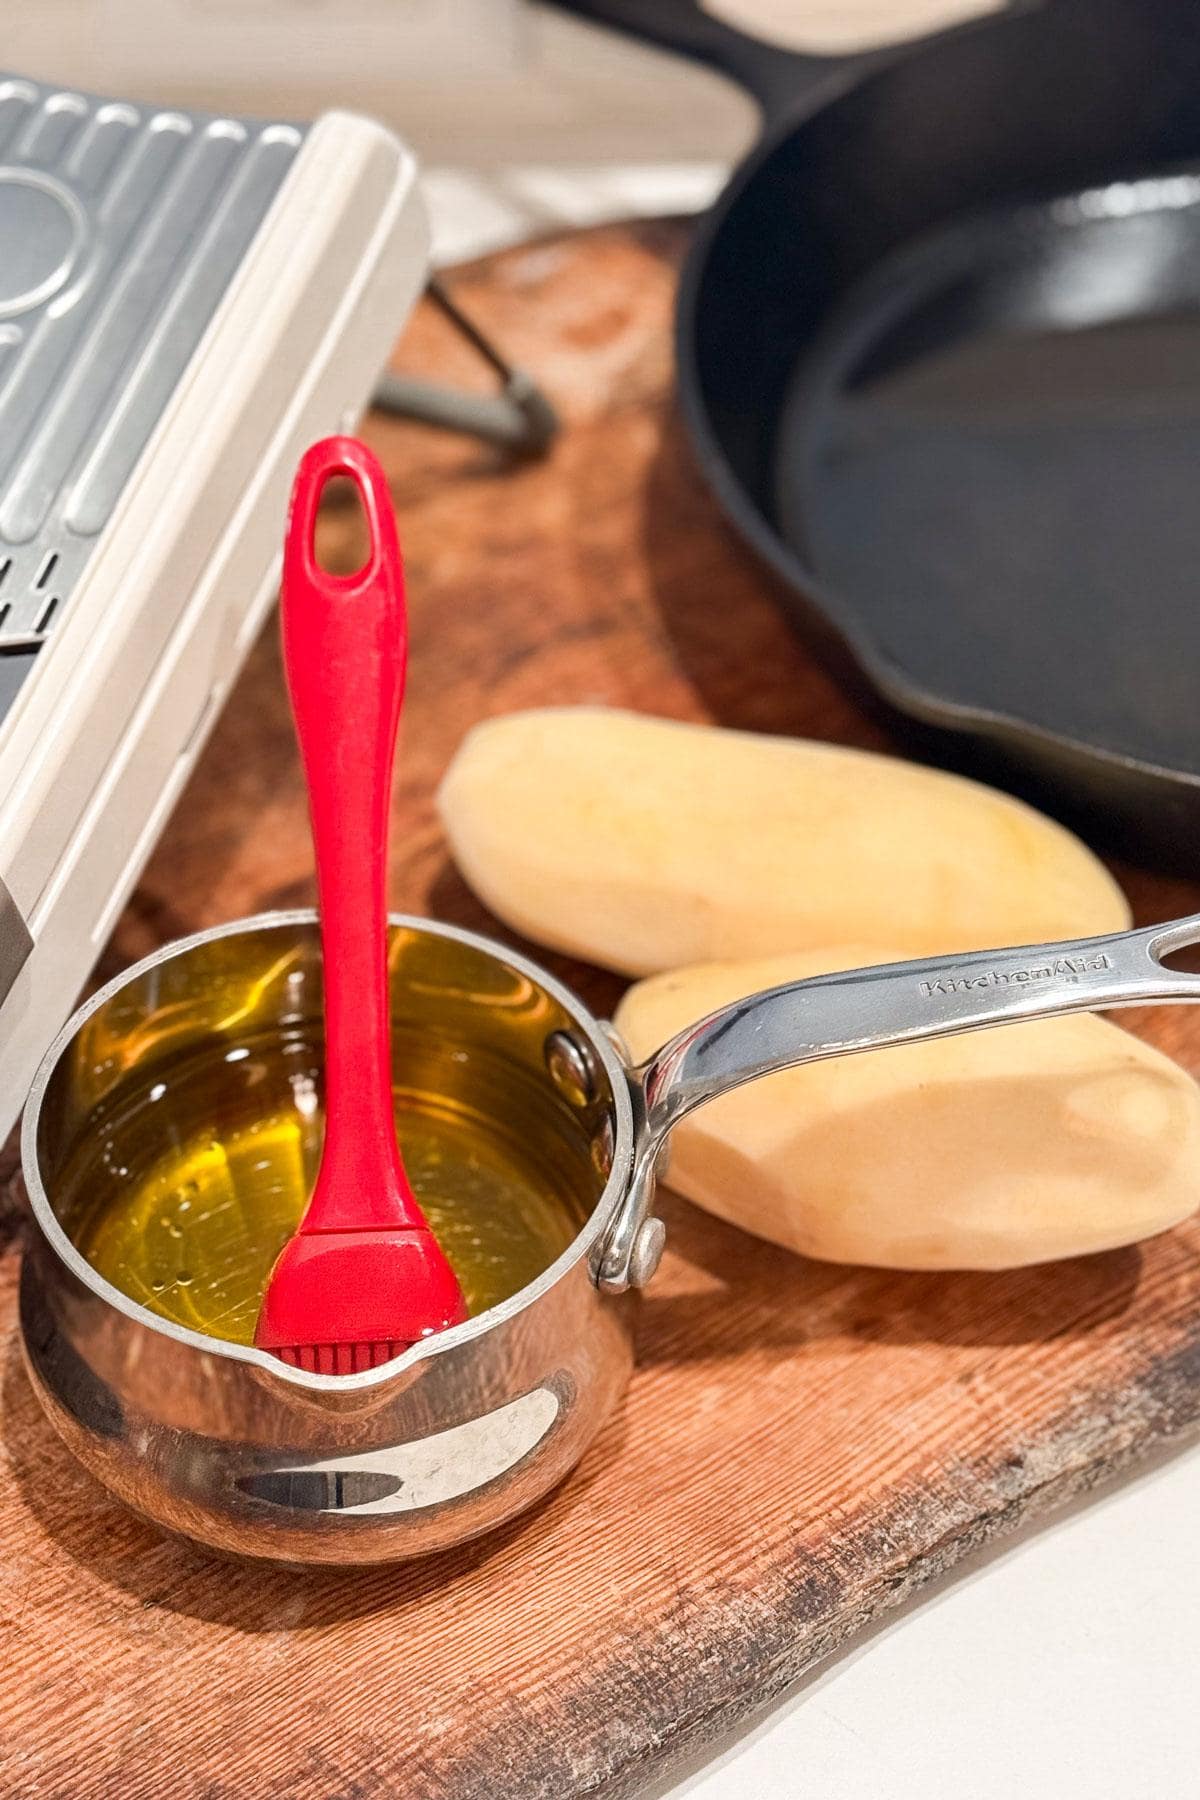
[986, 1151]
[644, 844]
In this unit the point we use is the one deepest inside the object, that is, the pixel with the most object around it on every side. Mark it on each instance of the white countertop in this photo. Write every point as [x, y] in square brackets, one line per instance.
[1061, 1665]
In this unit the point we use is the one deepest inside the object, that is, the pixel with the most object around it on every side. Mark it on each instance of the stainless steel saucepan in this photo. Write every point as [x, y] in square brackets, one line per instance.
[226, 1444]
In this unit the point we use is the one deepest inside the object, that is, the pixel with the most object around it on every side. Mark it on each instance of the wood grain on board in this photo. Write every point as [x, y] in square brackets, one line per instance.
[802, 1445]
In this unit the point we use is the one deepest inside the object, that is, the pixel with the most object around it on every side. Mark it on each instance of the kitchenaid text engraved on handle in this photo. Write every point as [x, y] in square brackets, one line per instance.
[870, 1009]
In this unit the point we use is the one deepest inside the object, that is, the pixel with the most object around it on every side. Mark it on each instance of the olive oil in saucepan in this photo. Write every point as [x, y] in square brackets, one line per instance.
[190, 1220]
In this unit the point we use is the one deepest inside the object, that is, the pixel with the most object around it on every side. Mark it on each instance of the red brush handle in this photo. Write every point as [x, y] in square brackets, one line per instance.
[345, 649]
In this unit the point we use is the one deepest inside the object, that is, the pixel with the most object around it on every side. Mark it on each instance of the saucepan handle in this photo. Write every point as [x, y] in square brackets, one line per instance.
[870, 1009]
[909, 1002]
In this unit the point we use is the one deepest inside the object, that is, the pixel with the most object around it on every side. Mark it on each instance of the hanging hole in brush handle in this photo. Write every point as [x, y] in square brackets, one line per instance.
[519, 420]
[872, 1009]
[337, 459]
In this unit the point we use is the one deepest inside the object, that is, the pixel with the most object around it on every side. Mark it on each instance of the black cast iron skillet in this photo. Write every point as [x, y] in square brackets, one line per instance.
[939, 353]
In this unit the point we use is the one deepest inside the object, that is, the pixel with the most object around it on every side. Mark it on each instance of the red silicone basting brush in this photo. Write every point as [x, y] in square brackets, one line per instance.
[364, 1277]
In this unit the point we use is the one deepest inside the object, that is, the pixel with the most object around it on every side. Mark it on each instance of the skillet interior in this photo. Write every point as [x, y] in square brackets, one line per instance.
[941, 354]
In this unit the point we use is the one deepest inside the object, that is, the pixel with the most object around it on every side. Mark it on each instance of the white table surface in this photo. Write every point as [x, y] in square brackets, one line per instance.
[1061, 1665]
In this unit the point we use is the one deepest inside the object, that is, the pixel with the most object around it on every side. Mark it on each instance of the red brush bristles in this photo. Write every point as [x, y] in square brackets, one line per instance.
[339, 1359]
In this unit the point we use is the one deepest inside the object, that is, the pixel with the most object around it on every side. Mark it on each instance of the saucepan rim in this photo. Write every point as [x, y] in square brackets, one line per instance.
[598, 1221]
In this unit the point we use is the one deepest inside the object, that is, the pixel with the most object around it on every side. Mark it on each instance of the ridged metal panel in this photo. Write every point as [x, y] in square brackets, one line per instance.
[121, 227]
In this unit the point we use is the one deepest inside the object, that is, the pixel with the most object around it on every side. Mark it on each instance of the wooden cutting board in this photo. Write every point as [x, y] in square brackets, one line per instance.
[802, 1445]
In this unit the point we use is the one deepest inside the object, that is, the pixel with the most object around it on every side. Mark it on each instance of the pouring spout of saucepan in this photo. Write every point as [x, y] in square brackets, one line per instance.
[870, 1009]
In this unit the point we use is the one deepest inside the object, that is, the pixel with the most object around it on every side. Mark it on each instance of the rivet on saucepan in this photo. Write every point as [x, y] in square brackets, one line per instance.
[571, 1067]
[602, 1150]
[647, 1251]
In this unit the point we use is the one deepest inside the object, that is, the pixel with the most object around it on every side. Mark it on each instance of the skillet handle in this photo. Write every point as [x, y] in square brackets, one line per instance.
[782, 81]
[871, 1009]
